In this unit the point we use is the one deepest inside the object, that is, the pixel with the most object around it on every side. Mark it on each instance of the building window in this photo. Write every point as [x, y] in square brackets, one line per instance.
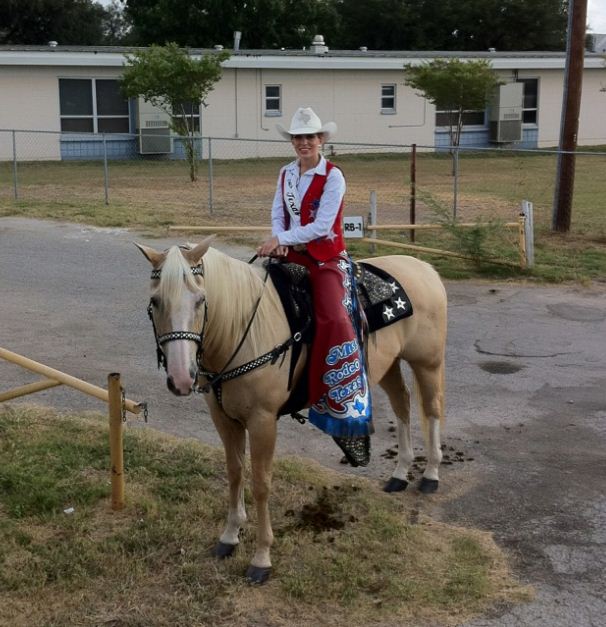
[470, 118]
[273, 100]
[531, 100]
[388, 98]
[92, 105]
[191, 111]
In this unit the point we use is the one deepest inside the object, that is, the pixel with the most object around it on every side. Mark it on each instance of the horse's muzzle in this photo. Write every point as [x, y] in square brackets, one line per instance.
[178, 390]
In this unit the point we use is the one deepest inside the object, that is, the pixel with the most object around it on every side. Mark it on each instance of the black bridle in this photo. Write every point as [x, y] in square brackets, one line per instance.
[214, 379]
[176, 335]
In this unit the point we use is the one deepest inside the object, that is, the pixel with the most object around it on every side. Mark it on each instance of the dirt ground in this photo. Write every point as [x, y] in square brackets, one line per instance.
[526, 408]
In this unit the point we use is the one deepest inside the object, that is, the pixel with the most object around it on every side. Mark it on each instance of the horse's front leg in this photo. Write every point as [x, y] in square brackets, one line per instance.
[233, 436]
[262, 433]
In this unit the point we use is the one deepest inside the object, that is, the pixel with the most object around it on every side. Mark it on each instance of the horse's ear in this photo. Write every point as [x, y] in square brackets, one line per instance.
[194, 256]
[153, 256]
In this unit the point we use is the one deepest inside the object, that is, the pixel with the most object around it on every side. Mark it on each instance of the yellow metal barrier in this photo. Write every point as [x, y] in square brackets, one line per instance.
[113, 396]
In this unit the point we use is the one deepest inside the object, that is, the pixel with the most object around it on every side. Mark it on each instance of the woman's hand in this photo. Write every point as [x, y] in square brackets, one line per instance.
[271, 248]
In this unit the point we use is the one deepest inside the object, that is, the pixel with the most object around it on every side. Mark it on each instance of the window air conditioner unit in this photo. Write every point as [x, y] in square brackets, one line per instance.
[154, 130]
[506, 113]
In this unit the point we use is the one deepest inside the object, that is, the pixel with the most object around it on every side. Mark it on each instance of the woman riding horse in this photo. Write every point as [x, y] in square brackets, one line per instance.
[307, 217]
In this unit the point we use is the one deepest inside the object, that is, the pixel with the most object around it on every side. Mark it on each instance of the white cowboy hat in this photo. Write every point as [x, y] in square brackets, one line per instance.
[306, 122]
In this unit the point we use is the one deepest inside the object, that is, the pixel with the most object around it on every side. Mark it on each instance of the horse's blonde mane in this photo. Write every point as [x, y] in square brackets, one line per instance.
[232, 289]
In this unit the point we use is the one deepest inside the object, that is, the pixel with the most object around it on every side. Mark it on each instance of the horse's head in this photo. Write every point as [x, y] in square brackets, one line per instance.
[177, 310]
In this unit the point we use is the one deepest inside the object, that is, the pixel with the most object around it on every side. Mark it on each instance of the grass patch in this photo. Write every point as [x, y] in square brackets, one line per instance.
[344, 553]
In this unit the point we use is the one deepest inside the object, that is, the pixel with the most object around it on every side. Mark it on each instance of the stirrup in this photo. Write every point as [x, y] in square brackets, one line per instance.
[356, 449]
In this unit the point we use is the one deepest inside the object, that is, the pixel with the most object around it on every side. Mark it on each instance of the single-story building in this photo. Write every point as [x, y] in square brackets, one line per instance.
[597, 42]
[72, 94]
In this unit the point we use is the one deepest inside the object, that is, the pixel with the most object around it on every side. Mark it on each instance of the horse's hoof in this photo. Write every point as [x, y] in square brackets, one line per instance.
[223, 550]
[428, 486]
[258, 575]
[395, 485]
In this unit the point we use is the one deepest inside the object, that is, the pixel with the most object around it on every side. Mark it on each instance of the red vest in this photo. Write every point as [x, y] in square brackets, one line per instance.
[321, 249]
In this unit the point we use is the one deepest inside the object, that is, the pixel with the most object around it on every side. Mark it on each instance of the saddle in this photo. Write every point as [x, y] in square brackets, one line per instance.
[380, 295]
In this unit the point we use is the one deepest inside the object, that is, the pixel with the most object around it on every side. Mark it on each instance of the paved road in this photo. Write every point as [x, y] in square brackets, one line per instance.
[526, 400]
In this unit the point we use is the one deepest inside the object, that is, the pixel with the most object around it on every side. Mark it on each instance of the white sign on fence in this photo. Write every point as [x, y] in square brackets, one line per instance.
[353, 226]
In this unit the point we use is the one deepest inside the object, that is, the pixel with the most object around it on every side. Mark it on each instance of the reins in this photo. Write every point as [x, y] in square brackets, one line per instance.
[222, 374]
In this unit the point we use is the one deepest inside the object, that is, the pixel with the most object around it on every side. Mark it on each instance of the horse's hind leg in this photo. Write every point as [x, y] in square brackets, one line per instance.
[399, 398]
[430, 383]
[233, 437]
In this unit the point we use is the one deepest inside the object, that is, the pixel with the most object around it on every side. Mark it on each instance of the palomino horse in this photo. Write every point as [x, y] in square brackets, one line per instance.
[211, 312]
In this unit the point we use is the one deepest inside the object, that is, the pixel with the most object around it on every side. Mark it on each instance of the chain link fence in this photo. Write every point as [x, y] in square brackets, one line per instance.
[72, 176]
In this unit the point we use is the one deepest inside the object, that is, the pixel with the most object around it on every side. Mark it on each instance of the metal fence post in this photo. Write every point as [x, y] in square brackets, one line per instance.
[105, 171]
[210, 176]
[15, 184]
[527, 212]
[372, 219]
[522, 241]
[455, 183]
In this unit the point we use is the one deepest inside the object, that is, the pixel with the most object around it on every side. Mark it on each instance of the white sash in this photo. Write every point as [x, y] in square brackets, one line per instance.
[292, 200]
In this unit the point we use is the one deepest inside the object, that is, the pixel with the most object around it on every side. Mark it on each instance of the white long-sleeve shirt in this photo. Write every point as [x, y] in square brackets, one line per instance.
[330, 201]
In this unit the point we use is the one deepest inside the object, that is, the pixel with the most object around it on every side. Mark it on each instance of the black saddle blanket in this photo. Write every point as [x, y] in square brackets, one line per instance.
[382, 298]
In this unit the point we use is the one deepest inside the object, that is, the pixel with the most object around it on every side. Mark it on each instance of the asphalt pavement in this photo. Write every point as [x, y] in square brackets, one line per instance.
[525, 431]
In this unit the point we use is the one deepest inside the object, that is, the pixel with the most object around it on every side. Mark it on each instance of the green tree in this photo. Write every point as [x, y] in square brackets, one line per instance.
[506, 25]
[346, 24]
[189, 23]
[204, 23]
[448, 24]
[169, 78]
[377, 24]
[298, 21]
[117, 29]
[36, 22]
[454, 86]
[451, 24]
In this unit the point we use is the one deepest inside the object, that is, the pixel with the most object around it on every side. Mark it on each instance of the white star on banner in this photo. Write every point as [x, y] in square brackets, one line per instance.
[400, 304]
[331, 236]
[394, 287]
[388, 313]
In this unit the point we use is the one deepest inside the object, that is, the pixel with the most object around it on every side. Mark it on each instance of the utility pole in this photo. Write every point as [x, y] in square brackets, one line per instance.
[571, 107]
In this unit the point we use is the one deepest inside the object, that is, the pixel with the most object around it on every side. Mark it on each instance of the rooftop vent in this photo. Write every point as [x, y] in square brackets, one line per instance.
[53, 44]
[318, 46]
[218, 47]
[492, 49]
[363, 49]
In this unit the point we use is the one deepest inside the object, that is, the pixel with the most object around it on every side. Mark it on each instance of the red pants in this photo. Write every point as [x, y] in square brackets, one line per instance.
[338, 386]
